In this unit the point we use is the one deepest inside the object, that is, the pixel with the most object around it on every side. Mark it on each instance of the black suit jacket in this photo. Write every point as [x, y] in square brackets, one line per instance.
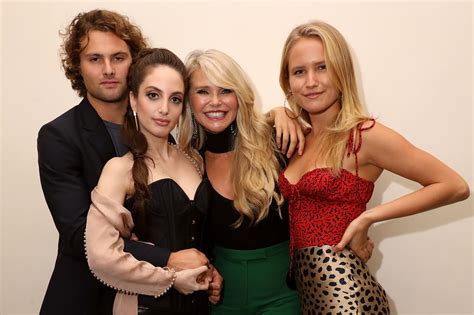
[72, 150]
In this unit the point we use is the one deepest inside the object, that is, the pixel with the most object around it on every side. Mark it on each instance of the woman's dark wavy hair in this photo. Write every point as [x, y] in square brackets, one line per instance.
[95, 20]
[132, 137]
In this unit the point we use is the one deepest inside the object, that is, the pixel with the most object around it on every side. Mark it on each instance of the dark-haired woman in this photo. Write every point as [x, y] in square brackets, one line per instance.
[162, 186]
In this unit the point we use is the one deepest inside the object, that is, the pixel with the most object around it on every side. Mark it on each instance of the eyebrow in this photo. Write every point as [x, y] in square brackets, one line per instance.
[210, 87]
[101, 55]
[178, 93]
[315, 63]
[202, 87]
[153, 87]
[161, 91]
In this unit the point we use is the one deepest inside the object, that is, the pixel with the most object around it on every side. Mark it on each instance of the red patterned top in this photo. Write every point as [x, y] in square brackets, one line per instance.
[321, 205]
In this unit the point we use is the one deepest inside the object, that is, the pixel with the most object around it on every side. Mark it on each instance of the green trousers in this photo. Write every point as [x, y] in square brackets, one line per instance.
[255, 282]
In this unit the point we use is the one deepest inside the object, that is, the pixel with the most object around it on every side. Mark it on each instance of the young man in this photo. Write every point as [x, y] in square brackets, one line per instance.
[98, 48]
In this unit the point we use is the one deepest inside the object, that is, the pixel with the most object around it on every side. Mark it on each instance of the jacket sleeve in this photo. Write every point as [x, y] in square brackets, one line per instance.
[108, 223]
[64, 188]
[68, 196]
[155, 255]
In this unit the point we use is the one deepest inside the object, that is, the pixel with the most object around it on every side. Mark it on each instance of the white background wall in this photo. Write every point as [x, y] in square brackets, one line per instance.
[414, 62]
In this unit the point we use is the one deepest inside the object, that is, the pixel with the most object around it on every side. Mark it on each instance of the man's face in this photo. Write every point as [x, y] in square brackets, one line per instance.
[104, 63]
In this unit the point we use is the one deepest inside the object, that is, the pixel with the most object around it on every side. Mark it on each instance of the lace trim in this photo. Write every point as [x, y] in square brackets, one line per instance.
[123, 291]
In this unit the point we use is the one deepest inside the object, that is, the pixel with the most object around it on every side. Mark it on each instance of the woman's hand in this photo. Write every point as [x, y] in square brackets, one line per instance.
[289, 133]
[356, 239]
[187, 280]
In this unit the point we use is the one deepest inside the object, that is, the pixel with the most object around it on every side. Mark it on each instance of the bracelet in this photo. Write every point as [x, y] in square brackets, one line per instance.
[173, 272]
[173, 279]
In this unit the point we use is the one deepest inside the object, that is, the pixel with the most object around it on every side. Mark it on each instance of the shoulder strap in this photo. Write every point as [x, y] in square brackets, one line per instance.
[354, 147]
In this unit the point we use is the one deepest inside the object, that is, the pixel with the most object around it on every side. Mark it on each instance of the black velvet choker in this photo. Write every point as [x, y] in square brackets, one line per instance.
[221, 142]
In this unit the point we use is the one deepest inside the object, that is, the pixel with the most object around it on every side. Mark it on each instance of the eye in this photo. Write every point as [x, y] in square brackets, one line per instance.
[119, 58]
[153, 95]
[94, 59]
[298, 72]
[322, 67]
[176, 100]
[226, 91]
[202, 92]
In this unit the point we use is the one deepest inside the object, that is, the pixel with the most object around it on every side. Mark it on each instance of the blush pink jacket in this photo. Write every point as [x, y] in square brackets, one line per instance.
[108, 223]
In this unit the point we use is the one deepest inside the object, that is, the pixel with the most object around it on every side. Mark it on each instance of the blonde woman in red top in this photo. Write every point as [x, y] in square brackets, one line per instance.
[329, 185]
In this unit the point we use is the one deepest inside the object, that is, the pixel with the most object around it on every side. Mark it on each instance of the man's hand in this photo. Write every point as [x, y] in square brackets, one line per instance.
[187, 259]
[215, 286]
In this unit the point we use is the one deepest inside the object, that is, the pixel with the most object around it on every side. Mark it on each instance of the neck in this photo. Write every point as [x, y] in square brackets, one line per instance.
[221, 142]
[109, 111]
[158, 148]
[322, 120]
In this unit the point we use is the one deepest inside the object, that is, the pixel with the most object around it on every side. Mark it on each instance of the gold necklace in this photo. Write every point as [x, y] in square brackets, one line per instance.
[193, 161]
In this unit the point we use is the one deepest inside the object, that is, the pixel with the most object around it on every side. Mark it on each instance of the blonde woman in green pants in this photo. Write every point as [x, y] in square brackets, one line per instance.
[248, 220]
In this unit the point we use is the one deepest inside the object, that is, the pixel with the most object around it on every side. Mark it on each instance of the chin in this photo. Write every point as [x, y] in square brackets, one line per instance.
[113, 98]
[162, 135]
[216, 129]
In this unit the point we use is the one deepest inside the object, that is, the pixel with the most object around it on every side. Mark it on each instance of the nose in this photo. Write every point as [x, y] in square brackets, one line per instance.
[108, 68]
[163, 109]
[312, 79]
[215, 99]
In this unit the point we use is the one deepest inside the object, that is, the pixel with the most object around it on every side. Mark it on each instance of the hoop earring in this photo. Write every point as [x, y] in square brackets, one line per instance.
[287, 110]
[136, 120]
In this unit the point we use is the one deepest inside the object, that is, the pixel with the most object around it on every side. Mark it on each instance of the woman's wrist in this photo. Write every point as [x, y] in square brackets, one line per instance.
[367, 218]
[172, 273]
[270, 117]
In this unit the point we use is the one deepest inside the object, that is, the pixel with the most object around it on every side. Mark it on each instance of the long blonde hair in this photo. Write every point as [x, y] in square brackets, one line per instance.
[339, 63]
[255, 167]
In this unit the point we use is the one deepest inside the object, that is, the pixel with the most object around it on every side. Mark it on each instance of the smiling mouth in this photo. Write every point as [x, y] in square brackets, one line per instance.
[215, 115]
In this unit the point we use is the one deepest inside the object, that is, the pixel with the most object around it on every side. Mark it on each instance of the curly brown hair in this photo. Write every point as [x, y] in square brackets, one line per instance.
[98, 20]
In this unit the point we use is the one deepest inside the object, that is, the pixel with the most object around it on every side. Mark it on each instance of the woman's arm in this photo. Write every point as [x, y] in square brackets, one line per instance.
[388, 150]
[108, 222]
[290, 134]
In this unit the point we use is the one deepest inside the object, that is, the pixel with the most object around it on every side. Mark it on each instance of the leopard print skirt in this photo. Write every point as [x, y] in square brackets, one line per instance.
[336, 283]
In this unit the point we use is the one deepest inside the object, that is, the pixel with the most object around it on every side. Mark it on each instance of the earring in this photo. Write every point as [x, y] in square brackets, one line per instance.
[176, 130]
[136, 120]
[195, 127]
[233, 128]
[287, 110]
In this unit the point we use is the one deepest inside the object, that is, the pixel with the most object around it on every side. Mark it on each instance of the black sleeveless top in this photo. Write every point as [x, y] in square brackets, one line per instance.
[175, 222]
[267, 232]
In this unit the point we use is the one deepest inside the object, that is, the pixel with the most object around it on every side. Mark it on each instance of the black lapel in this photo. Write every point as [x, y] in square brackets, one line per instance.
[95, 132]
